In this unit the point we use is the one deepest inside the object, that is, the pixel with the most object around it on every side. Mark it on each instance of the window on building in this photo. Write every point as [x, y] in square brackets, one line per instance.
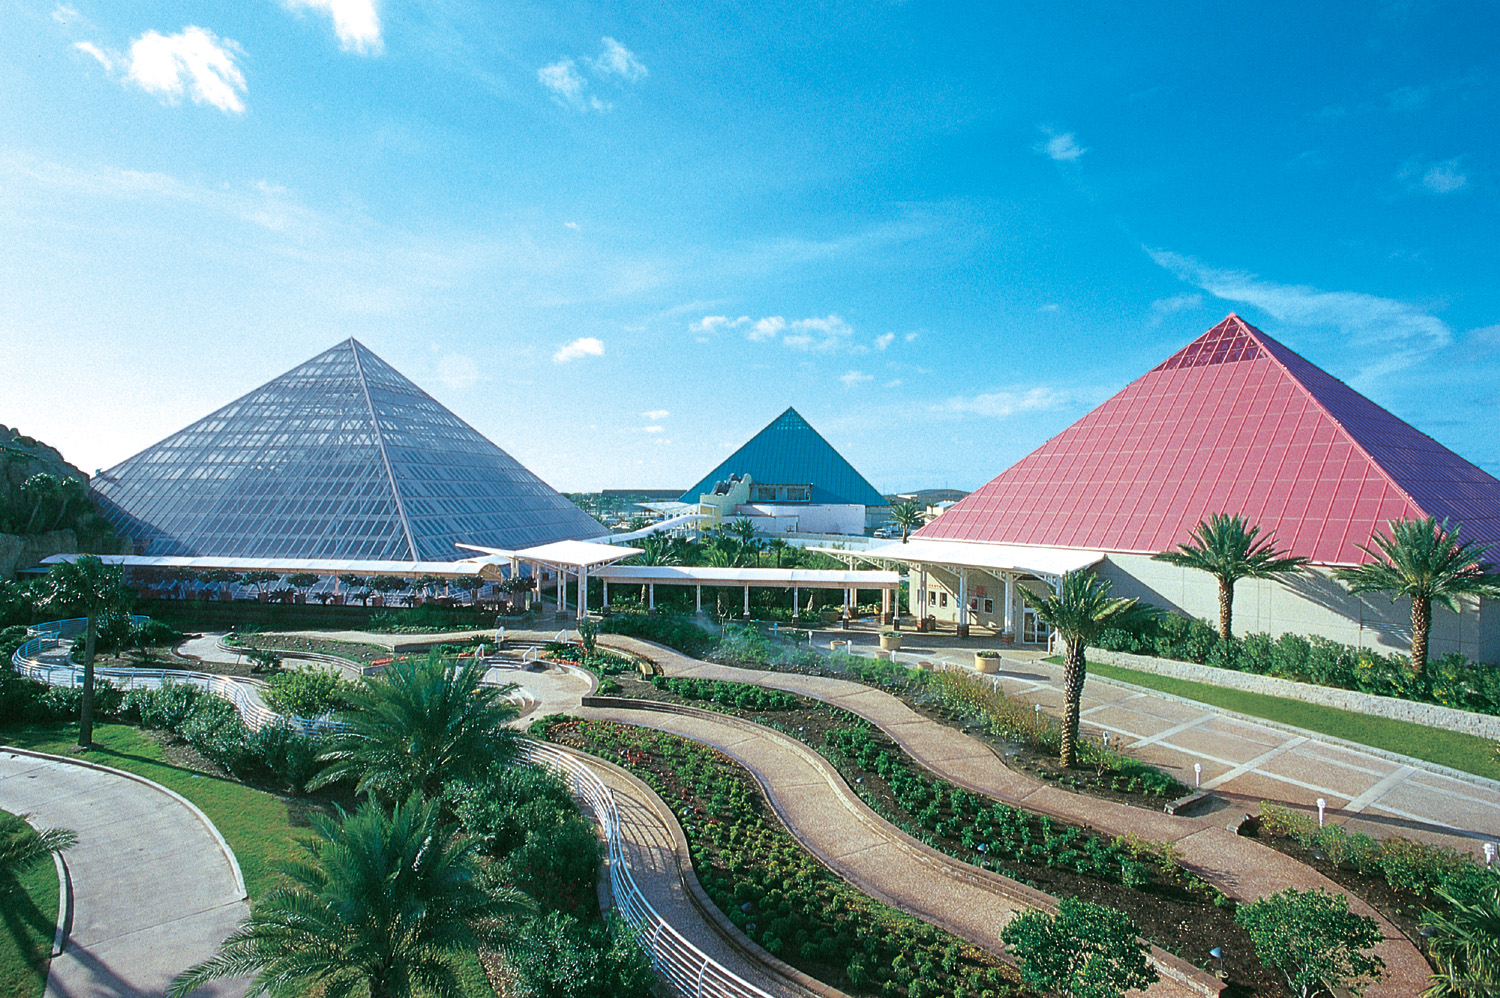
[932, 596]
[974, 603]
[989, 606]
[799, 493]
[942, 599]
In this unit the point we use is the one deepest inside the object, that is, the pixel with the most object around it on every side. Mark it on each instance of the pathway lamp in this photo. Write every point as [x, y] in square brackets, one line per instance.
[1322, 807]
[1198, 774]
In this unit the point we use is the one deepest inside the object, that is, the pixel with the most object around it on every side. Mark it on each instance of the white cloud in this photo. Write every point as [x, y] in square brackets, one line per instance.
[714, 323]
[191, 61]
[584, 346]
[1163, 307]
[1403, 333]
[571, 225]
[109, 60]
[853, 378]
[884, 340]
[911, 337]
[63, 14]
[1050, 307]
[1003, 404]
[456, 370]
[1444, 178]
[617, 60]
[653, 429]
[655, 415]
[1062, 147]
[568, 86]
[355, 22]
[766, 329]
[827, 333]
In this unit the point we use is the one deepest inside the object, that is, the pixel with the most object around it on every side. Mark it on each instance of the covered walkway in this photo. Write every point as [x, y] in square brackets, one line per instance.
[795, 579]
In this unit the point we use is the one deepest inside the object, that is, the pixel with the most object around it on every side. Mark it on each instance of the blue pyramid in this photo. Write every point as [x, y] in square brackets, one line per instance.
[790, 452]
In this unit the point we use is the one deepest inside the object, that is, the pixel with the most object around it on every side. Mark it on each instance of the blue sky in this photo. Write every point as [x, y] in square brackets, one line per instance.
[620, 238]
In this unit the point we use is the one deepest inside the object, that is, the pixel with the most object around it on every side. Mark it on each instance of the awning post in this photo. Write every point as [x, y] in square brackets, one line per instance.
[963, 602]
[747, 602]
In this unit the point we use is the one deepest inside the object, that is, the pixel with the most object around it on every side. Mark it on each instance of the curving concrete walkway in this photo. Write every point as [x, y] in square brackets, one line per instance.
[155, 889]
[828, 818]
[1242, 868]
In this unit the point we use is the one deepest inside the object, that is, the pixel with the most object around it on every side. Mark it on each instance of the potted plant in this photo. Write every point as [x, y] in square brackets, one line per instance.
[987, 660]
[890, 640]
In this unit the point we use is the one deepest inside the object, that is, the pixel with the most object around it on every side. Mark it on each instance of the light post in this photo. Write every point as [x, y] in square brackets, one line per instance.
[1322, 807]
[1198, 775]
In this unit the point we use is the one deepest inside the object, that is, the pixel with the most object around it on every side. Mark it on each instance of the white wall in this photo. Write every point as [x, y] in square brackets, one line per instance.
[1307, 603]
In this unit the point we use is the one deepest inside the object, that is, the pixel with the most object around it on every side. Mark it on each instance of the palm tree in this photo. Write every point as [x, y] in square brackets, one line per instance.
[419, 724]
[88, 588]
[908, 516]
[777, 546]
[1078, 609]
[1229, 548]
[1424, 561]
[382, 905]
[22, 847]
[1465, 945]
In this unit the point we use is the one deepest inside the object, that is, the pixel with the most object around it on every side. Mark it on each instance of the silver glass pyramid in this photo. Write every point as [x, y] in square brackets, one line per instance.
[341, 457]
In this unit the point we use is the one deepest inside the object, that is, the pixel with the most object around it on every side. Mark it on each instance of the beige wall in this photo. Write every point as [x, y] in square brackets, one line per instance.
[1308, 603]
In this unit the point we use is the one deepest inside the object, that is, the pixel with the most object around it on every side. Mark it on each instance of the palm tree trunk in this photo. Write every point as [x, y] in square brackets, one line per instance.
[1421, 628]
[86, 712]
[1075, 669]
[1226, 609]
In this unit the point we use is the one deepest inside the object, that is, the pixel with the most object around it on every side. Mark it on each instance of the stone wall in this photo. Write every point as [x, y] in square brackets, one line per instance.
[1431, 715]
[17, 553]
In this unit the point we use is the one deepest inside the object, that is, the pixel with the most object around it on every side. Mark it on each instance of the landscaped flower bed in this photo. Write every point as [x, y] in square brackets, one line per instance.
[601, 663]
[741, 695]
[1173, 908]
[291, 644]
[768, 885]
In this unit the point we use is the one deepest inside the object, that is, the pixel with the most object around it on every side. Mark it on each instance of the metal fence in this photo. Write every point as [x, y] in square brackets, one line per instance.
[689, 970]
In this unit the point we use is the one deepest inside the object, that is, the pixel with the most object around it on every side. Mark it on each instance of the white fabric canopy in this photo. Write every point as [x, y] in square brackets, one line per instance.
[709, 576]
[1040, 561]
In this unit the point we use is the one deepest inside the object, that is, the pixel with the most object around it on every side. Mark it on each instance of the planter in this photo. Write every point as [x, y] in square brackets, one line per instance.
[890, 642]
[987, 664]
[884, 654]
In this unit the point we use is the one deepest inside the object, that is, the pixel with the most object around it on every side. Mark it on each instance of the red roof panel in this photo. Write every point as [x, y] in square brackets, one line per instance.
[1234, 422]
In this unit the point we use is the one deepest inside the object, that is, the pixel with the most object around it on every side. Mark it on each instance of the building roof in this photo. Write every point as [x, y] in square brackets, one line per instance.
[1234, 422]
[811, 578]
[341, 457]
[1039, 561]
[791, 452]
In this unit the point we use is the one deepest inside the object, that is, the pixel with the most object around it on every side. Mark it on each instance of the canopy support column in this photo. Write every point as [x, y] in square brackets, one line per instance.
[698, 600]
[886, 616]
[747, 602]
[1009, 634]
[651, 596]
[796, 599]
[963, 602]
[605, 584]
[583, 591]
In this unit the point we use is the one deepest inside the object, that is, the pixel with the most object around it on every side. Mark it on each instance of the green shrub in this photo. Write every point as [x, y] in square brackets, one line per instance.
[673, 631]
[1314, 940]
[557, 956]
[741, 695]
[308, 692]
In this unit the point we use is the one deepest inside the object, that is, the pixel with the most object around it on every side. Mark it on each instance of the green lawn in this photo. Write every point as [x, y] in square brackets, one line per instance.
[260, 827]
[1468, 753]
[27, 923]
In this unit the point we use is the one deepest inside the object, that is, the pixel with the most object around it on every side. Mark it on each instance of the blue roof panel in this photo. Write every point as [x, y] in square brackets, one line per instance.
[791, 452]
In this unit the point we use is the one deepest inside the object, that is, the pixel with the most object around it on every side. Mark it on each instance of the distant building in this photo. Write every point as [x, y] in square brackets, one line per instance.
[1234, 422]
[341, 457]
[788, 480]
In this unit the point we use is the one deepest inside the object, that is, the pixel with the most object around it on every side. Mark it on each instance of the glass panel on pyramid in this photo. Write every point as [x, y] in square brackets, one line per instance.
[790, 452]
[341, 457]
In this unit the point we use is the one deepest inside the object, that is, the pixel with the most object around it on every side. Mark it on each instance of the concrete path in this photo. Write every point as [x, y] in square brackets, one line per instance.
[820, 810]
[1242, 868]
[155, 889]
[1248, 761]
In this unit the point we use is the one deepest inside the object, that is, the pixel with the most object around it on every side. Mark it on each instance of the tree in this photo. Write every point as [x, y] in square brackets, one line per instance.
[260, 579]
[384, 584]
[418, 724]
[428, 583]
[42, 492]
[1085, 951]
[303, 581]
[1314, 940]
[16, 605]
[908, 516]
[218, 578]
[22, 847]
[87, 588]
[1078, 609]
[383, 905]
[1424, 561]
[355, 584]
[1229, 548]
[778, 547]
[1465, 945]
[470, 584]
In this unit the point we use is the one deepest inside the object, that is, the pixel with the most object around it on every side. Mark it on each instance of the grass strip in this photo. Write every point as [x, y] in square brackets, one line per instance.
[262, 829]
[1468, 753]
[26, 927]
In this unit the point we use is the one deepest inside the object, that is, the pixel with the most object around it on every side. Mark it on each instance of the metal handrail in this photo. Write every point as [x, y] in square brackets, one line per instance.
[685, 966]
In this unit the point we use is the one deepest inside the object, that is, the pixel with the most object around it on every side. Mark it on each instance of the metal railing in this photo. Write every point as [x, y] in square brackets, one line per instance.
[688, 969]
